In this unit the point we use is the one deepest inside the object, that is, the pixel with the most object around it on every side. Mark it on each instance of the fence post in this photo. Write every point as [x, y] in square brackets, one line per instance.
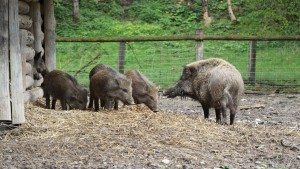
[252, 61]
[121, 60]
[199, 46]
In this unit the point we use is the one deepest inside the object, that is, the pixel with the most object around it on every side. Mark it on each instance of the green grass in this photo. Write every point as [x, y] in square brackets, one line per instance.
[162, 62]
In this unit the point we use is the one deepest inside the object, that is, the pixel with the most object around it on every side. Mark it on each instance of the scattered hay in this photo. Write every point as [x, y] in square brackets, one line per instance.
[135, 136]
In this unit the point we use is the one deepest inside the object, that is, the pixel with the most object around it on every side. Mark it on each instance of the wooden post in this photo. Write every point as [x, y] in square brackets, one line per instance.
[199, 46]
[121, 61]
[5, 109]
[35, 14]
[22, 48]
[49, 26]
[16, 80]
[252, 61]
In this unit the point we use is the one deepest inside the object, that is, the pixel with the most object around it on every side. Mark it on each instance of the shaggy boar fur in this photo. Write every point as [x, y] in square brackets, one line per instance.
[64, 87]
[96, 69]
[215, 83]
[109, 85]
[143, 90]
[39, 66]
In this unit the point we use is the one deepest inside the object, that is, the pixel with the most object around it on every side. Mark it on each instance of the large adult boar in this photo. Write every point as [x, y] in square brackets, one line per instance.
[215, 83]
[109, 85]
[62, 86]
[143, 90]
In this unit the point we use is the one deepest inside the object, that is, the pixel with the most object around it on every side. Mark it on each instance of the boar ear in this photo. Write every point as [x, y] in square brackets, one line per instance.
[37, 56]
[188, 71]
[117, 82]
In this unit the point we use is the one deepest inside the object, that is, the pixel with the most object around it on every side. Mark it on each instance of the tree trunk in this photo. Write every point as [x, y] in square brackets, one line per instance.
[231, 14]
[76, 11]
[206, 18]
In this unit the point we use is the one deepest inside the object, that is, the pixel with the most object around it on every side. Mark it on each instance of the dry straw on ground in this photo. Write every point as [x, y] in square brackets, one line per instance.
[136, 137]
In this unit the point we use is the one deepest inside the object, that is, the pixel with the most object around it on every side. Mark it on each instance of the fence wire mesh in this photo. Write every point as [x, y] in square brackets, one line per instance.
[277, 62]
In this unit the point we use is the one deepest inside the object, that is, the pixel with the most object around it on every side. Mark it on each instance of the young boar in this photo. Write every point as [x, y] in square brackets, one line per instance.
[143, 91]
[96, 69]
[215, 83]
[39, 66]
[109, 85]
[64, 87]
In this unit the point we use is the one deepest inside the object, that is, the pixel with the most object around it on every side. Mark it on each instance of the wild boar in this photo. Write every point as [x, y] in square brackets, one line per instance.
[39, 66]
[143, 90]
[96, 69]
[215, 83]
[109, 85]
[62, 86]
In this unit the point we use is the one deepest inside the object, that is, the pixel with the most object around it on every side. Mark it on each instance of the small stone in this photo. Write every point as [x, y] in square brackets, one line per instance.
[165, 161]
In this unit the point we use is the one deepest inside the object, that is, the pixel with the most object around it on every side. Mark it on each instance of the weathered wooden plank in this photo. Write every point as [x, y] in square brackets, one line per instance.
[5, 109]
[49, 25]
[16, 88]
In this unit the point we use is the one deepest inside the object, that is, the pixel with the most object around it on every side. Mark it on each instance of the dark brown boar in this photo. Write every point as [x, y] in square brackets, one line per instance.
[215, 83]
[96, 69]
[109, 85]
[39, 66]
[62, 86]
[143, 90]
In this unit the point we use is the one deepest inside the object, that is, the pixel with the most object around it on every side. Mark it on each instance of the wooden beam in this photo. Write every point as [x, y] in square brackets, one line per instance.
[16, 80]
[177, 38]
[5, 109]
[49, 25]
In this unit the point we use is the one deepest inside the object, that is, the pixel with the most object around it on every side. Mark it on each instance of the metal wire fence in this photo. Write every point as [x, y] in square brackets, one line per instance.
[277, 63]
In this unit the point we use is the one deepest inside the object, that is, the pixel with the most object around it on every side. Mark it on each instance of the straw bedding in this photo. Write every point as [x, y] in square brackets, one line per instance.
[135, 137]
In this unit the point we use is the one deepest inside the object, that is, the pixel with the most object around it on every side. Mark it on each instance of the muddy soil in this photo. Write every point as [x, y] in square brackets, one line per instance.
[266, 134]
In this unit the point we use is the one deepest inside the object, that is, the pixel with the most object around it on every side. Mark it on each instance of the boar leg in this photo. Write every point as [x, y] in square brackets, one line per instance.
[96, 104]
[232, 114]
[108, 103]
[218, 116]
[47, 100]
[224, 115]
[116, 105]
[102, 101]
[63, 104]
[206, 111]
[53, 103]
[91, 102]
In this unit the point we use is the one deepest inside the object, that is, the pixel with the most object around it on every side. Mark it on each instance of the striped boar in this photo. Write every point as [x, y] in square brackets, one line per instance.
[62, 86]
[143, 91]
[108, 85]
[215, 83]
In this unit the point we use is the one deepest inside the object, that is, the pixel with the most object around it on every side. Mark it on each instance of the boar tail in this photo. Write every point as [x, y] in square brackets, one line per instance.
[228, 98]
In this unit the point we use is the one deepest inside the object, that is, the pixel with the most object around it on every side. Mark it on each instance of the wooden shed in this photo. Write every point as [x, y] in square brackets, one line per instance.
[26, 28]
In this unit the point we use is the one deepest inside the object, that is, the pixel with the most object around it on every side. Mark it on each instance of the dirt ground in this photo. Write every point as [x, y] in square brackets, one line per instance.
[266, 134]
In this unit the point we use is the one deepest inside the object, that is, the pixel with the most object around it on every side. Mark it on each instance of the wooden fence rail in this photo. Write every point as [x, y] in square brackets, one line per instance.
[199, 37]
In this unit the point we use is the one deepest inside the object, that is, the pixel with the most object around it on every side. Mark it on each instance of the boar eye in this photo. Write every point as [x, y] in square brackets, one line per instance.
[151, 97]
[125, 90]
